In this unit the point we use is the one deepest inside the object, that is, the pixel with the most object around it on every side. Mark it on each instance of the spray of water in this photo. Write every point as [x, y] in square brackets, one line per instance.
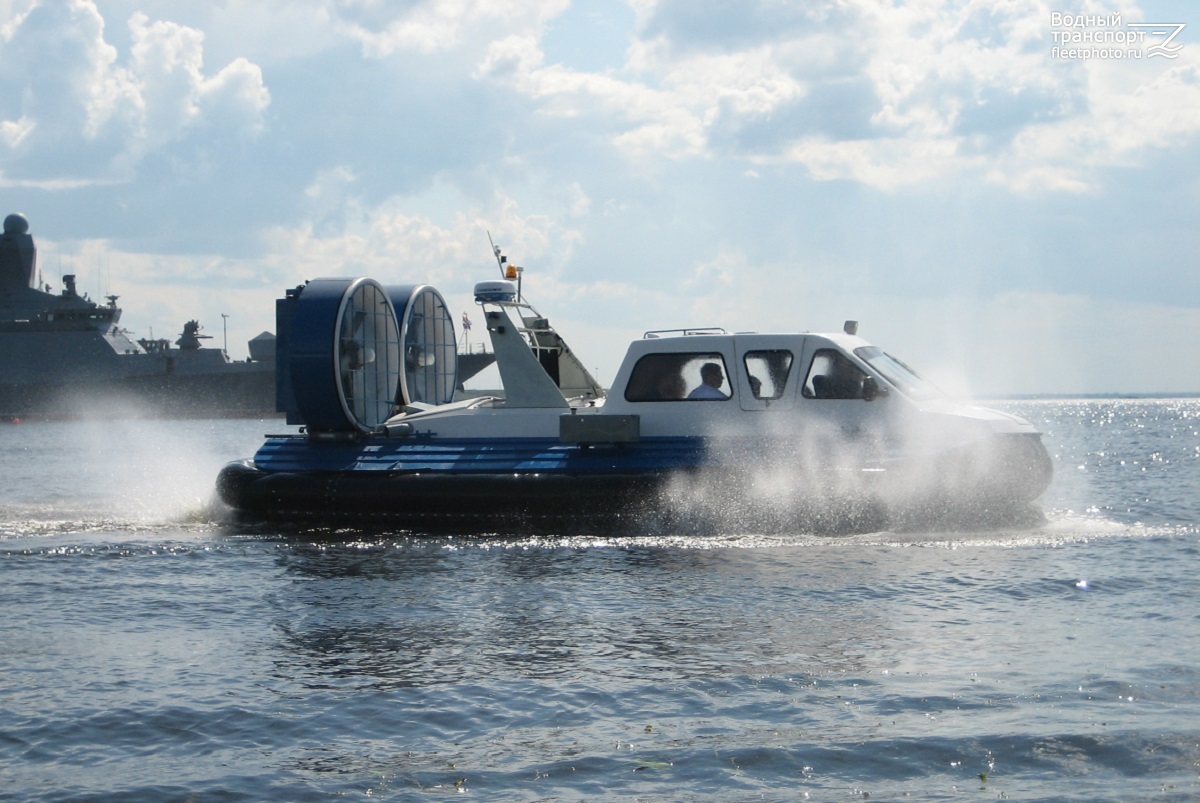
[917, 474]
[115, 471]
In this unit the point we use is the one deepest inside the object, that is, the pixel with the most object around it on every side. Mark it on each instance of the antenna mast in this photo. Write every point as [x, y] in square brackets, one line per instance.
[511, 271]
[500, 260]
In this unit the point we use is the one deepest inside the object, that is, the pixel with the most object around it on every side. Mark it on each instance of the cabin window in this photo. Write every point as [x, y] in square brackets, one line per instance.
[897, 373]
[768, 372]
[688, 376]
[833, 376]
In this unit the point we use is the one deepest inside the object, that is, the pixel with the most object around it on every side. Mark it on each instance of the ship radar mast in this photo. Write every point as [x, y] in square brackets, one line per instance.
[507, 272]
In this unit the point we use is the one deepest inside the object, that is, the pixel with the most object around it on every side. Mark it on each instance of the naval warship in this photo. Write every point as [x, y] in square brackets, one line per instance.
[65, 356]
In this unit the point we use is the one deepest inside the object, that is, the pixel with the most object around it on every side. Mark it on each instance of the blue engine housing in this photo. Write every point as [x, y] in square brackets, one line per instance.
[350, 352]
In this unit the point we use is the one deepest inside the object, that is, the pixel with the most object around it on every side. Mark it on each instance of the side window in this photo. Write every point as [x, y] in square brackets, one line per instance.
[833, 376]
[768, 372]
[678, 377]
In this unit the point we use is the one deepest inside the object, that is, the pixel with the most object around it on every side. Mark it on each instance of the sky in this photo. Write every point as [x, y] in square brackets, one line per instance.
[1005, 217]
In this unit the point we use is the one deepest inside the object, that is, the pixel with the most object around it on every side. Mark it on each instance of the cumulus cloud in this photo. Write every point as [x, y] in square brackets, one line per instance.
[429, 26]
[77, 111]
[670, 117]
[403, 238]
[939, 89]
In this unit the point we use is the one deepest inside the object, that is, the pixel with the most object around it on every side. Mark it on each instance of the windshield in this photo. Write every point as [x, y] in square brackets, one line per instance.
[897, 373]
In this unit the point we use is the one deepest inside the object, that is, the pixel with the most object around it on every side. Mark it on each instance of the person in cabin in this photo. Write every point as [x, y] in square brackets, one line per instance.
[711, 379]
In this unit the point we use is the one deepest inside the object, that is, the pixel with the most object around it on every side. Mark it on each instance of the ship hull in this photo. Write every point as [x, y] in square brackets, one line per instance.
[670, 484]
[55, 376]
[241, 394]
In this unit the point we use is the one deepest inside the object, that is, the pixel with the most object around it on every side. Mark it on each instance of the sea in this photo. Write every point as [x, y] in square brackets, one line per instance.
[152, 648]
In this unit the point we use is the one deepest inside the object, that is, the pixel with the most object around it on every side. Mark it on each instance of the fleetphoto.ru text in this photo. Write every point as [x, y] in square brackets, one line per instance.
[1108, 36]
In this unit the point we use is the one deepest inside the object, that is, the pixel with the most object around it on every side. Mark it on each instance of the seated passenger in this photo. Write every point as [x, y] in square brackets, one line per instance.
[711, 379]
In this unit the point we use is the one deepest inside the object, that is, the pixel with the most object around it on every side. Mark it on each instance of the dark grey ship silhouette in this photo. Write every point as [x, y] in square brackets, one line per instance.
[66, 356]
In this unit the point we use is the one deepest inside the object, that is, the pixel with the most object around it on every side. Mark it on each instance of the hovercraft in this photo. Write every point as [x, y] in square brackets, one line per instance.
[701, 429]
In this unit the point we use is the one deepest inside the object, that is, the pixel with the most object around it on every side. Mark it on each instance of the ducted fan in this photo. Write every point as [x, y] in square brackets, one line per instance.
[350, 353]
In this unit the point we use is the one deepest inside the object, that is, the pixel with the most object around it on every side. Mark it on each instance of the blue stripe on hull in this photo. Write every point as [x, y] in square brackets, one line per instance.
[473, 456]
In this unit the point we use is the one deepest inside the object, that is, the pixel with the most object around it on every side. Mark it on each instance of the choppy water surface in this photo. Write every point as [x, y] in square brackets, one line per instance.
[151, 650]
